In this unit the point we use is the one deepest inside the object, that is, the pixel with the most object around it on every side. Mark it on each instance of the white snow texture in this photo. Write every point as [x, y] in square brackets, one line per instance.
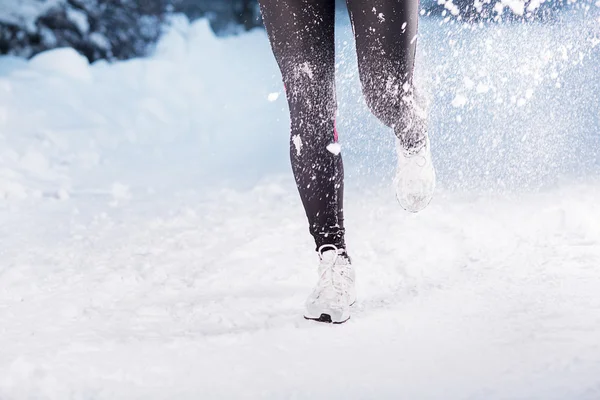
[153, 245]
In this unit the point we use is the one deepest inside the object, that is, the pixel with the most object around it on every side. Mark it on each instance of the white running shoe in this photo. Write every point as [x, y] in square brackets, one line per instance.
[415, 178]
[335, 292]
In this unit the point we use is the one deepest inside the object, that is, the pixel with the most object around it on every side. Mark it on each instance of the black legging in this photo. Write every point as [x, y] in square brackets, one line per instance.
[302, 38]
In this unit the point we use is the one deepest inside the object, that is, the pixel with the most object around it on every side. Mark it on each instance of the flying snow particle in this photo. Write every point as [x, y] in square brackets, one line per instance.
[334, 148]
[297, 140]
[273, 96]
[528, 93]
[459, 101]
[468, 82]
[482, 88]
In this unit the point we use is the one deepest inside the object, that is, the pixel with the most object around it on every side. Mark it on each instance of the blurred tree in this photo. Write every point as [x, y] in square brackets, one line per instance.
[110, 29]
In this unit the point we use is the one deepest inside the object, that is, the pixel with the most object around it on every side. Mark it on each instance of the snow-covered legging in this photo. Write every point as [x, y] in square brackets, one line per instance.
[301, 33]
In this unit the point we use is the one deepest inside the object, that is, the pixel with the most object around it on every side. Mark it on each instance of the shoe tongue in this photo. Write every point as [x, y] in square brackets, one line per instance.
[328, 255]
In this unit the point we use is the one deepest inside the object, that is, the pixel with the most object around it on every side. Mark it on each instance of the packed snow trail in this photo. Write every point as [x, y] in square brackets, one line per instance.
[152, 243]
[477, 297]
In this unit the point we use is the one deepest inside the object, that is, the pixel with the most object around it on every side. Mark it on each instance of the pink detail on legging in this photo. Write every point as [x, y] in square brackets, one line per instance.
[335, 134]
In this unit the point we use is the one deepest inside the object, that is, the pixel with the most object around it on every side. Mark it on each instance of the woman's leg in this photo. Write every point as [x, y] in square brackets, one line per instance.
[302, 38]
[386, 36]
[385, 32]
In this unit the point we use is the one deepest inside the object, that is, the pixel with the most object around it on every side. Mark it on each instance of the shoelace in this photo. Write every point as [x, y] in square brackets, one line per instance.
[336, 280]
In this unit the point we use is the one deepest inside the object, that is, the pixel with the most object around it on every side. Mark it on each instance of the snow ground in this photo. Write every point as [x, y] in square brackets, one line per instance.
[147, 212]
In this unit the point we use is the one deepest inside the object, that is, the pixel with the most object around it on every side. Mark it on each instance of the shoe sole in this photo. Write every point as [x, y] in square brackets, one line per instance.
[326, 318]
[414, 211]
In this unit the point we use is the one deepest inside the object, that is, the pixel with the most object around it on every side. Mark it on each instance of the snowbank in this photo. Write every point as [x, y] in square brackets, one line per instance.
[80, 120]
